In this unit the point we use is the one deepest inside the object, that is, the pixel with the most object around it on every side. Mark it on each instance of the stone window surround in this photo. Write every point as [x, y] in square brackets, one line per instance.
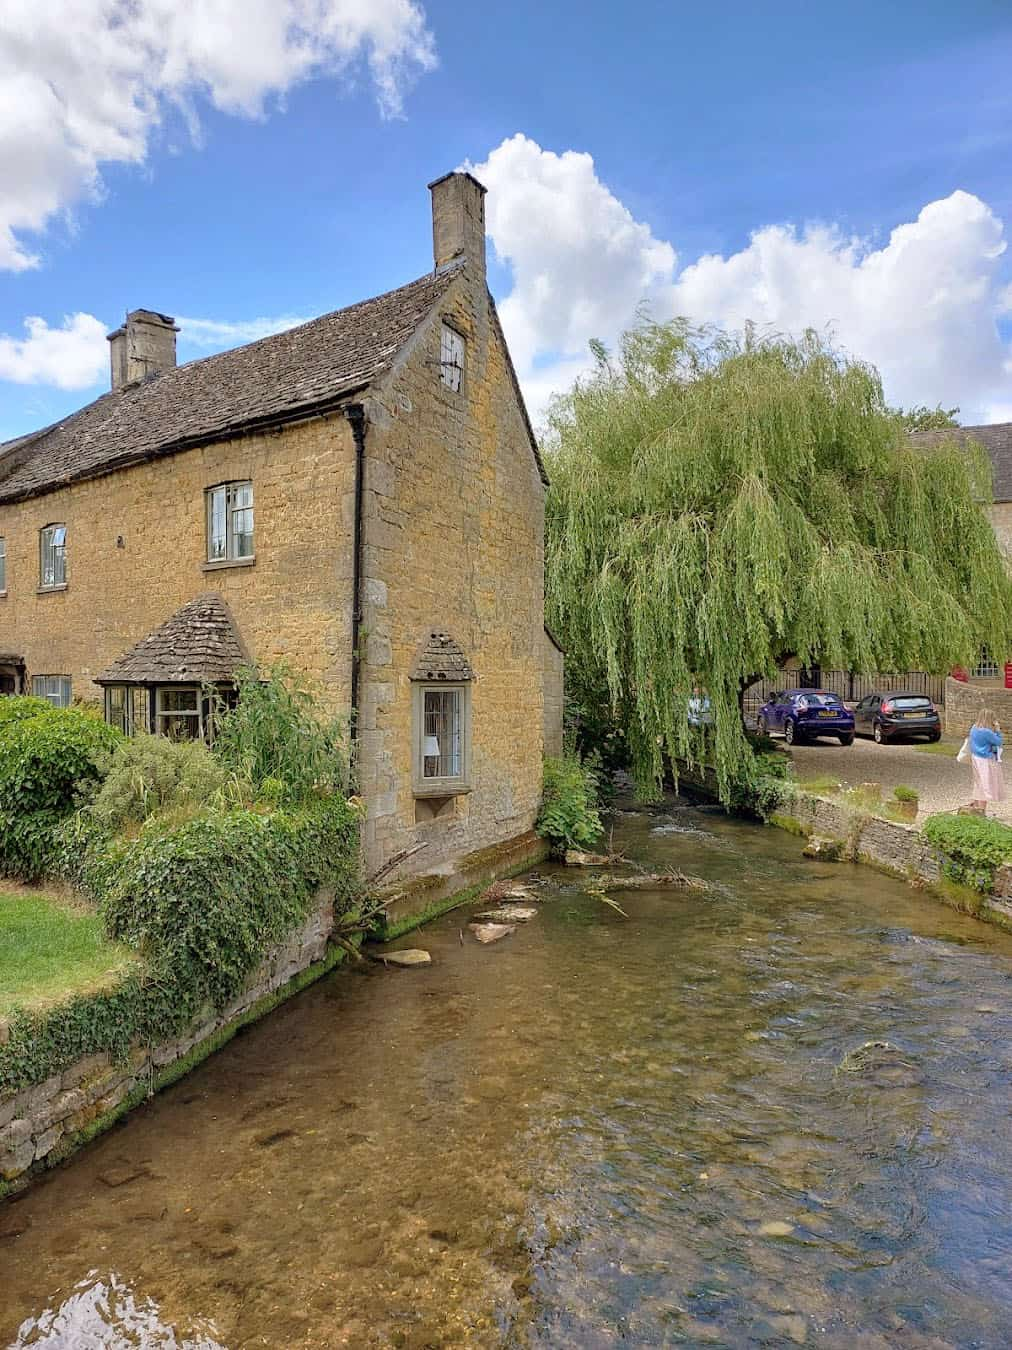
[440, 787]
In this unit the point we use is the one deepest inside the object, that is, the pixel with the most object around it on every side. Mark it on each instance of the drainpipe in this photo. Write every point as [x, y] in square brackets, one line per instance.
[355, 413]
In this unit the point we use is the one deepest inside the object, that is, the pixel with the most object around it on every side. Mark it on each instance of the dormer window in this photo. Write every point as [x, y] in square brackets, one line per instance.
[52, 557]
[451, 358]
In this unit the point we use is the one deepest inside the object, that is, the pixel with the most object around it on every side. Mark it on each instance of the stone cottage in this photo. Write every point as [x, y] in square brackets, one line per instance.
[361, 496]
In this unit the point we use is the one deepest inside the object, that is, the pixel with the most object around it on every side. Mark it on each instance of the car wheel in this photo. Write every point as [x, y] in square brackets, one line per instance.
[762, 727]
[879, 734]
[934, 737]
[790, 735]
[846, 738]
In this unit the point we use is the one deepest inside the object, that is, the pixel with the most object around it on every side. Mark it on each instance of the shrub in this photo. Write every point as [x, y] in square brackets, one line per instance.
[906, 794]
[569, 817]
[145, 774]
[21, 706]
[766, 788]
[974, 847]
[44, 761]
[276, 738]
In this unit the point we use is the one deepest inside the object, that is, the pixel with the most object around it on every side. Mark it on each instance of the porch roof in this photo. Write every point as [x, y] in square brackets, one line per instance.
[199, 644]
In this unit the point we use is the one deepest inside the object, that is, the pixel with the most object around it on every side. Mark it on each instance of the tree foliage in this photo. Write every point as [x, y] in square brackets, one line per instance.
[924, 418]
[720, 502]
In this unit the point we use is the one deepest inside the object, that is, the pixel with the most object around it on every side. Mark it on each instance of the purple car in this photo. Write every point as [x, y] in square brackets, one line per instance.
[802, 714]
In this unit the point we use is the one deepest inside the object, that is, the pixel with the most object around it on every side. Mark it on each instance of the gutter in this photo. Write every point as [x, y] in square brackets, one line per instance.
[355, 413]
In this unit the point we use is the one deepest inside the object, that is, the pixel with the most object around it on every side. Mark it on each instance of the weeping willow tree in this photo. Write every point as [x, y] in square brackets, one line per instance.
[721, 503]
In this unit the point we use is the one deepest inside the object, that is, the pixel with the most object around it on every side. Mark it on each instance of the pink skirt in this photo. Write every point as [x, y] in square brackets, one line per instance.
[988, 782]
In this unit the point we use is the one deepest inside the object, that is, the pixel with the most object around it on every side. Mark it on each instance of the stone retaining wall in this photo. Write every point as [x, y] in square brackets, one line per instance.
[44, 1123]
[964, 702]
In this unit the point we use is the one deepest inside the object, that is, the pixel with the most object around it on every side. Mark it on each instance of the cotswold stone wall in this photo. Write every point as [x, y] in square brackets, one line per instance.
[453, 541]
[963, 703]
[46, 1122]
[1001, 518]
[136, 552]
[554, 697]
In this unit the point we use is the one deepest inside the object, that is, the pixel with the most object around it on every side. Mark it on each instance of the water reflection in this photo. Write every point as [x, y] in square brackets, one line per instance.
[648, 1132]
[105, 1314]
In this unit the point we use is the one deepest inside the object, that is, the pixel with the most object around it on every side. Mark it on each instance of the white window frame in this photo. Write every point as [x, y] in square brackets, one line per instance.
[987, 667]
[226, 496]
[429, 784]
[164, 717]
[53, 557]
[452, 355]
[3, 565]
[58, 689]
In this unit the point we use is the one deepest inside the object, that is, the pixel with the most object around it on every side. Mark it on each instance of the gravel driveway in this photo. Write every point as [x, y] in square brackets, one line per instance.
[942, 782]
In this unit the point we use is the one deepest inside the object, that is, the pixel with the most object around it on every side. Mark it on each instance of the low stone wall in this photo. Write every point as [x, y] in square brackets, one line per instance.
[963, 703]
[44, 1123]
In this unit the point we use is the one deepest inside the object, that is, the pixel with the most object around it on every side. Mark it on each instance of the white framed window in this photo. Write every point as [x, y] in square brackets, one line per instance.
[230, 522]
[55, 688]
[986, 668]
[128, 707]
[3, 565]
[52, 556]
[451, 358]
[442, 735]
[178, 712]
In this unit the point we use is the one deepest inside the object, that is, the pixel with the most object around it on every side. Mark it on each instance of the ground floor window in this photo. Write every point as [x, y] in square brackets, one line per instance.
[179, 712]
[128, 707]
[986, 668]
[55, 688]
[442, 736]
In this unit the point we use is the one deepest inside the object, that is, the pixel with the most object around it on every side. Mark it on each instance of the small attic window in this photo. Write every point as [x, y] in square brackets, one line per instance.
[451, 358]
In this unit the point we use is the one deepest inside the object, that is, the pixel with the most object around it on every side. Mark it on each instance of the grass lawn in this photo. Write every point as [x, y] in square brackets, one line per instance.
[52, 947]
[942, 747]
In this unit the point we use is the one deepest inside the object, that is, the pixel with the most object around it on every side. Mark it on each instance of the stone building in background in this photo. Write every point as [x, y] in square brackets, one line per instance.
[361, 496]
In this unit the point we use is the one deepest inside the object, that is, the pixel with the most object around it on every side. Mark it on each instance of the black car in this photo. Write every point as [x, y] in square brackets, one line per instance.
[900, 713]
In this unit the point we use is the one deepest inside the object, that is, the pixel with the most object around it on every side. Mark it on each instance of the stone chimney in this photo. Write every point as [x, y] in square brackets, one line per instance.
[145, 345]
[458, 221]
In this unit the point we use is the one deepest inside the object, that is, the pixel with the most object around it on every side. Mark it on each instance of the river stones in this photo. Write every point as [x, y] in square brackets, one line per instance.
[825, 850]
[881, 1063]
[776, 1228]
[407, 956]
[491, 932]
[122, 1173]
[508, 914]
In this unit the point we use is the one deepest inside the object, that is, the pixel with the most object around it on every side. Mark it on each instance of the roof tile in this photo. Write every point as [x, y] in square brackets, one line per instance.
[199, 644]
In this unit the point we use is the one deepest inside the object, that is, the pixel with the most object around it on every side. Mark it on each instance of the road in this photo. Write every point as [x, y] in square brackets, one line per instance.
[942, 783]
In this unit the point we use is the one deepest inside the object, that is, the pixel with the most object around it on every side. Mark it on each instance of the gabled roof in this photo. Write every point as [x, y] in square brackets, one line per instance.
[441, 659]
[996, 439]
[290, 374]
[200, 644]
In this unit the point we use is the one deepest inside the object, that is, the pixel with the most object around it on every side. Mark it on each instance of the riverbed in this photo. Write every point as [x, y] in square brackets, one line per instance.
[600, 1131]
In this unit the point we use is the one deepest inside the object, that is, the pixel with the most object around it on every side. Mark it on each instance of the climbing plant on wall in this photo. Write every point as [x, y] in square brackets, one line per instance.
[720, 502]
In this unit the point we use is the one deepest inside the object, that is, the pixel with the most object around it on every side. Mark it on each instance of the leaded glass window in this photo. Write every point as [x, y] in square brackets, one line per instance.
[230, 522]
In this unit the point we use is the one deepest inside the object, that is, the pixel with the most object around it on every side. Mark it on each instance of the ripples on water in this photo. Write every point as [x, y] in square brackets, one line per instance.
[598, 1132]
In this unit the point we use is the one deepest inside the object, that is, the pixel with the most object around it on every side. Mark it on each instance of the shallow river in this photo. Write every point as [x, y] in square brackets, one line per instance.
[597, 1132]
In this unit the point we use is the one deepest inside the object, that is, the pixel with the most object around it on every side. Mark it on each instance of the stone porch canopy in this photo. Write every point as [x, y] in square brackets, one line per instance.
[199, 645]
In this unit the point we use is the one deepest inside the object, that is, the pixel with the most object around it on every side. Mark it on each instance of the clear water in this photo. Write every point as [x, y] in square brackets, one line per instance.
[597, 1132]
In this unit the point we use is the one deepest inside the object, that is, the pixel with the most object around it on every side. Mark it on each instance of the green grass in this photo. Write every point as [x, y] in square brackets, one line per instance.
[821, 783]
[943, 747]
[50, 949]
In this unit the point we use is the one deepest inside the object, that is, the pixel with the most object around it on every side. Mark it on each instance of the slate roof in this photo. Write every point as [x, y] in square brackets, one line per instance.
[996, 439]
[200, 644]
[266, 382]
[442, 659]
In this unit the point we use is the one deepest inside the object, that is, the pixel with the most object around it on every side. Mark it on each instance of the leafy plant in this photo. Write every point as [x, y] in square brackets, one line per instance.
[906, 794]
[18, 707]
[720, 502]
[974, 847]
[763, 786]
[277, 739]
[147, 774]
[569, 817]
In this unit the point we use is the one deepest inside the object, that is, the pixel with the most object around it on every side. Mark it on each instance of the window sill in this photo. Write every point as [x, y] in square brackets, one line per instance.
[442, 788]
[220, 564]
[3, 595]
[48, 590]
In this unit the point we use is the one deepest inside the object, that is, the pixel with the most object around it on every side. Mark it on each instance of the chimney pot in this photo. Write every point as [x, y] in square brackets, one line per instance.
[144, 345]
[458, 221]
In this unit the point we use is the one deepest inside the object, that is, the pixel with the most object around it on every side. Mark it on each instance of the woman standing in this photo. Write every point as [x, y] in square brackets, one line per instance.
[985, 757]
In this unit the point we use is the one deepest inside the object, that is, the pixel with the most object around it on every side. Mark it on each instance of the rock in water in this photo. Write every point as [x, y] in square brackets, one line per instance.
[574, 858]
[776, 1228]
[407, 956]
[826, 850]
[882, 1063]
[508, 914]
[491, 932]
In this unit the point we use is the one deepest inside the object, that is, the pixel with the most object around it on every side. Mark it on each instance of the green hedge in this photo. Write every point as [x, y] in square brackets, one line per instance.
[47, 757]
[203, 903]
[974, 847]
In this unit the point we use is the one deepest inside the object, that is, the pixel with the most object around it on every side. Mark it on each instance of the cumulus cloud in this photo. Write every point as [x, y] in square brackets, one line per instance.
[922, 306]
[221, 333]
[73, 356]
[86, 82]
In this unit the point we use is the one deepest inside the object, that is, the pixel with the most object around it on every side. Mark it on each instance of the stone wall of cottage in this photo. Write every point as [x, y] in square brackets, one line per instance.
[1000, 515]
[554, 697]
[136, 552]
[454, 528]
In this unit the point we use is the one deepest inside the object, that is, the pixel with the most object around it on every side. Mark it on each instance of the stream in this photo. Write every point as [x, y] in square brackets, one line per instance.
[666, 1129]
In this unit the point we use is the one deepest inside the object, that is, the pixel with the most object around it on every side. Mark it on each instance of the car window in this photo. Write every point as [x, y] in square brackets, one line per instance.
[912, 701]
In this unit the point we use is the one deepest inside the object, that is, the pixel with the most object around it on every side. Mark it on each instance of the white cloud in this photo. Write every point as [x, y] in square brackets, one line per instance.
[922, 306]
[221, 333]
[86, 82]
[73, 356]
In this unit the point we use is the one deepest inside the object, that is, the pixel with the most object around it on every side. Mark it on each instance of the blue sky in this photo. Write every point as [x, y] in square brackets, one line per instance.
[235, 173]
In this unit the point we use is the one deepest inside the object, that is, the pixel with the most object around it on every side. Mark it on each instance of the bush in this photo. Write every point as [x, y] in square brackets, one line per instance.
[45, 760]
[906, 794]
[974, 847]
[766, 788]
[276, 738]
[569, 817]
[146, 774]
[21, 706]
